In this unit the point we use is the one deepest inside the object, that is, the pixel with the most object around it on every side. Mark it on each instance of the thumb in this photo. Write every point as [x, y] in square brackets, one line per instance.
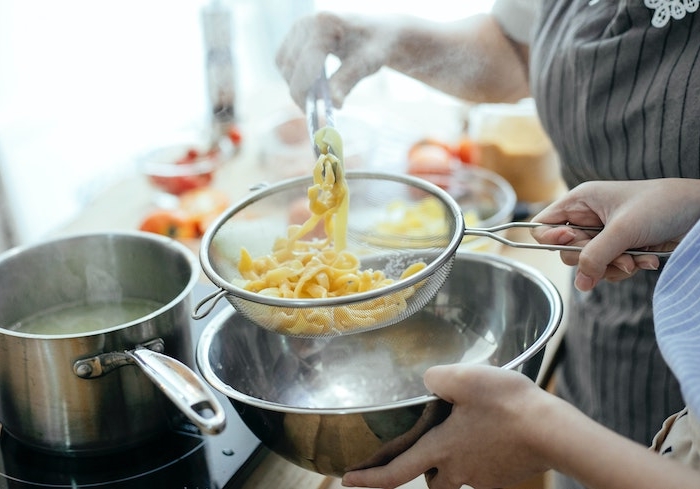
[456, 382]
[438, 381]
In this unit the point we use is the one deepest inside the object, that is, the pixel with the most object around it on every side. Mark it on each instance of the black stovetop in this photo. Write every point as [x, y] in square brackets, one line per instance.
[181, 458]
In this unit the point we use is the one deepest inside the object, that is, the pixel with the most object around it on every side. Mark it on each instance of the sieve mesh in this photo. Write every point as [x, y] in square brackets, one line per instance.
[388, 230]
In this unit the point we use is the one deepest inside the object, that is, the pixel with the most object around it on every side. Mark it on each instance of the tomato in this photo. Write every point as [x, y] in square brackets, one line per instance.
[173, 223]
[429, 157]
[463, 150]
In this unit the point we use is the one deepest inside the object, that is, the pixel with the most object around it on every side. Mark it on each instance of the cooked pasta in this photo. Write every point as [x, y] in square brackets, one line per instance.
[305, 269]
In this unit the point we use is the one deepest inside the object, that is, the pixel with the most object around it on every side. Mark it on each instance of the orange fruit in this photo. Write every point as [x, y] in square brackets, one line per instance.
[173, 223]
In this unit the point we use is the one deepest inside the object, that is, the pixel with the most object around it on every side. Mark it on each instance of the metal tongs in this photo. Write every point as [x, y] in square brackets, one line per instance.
[318, 101]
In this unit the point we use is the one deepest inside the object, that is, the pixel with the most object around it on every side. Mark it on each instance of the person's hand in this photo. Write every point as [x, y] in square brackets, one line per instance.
[503, 429]
[361, 43]
[482, 443]
[645, 214]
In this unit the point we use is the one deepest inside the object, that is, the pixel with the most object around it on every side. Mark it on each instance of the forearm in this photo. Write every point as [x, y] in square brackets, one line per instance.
[470, 58]
[601, 459]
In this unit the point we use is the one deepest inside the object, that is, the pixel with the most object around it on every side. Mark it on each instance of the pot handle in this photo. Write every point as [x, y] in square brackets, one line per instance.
[183, 387]
[215, 297]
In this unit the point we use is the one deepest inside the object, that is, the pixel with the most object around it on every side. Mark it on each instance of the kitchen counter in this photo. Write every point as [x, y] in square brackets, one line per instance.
[123, 206]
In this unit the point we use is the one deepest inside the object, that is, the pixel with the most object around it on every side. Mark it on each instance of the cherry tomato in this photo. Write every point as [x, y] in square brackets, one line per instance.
[234, 134]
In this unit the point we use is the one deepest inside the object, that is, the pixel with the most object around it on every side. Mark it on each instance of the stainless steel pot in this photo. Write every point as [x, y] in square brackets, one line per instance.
[109, 389]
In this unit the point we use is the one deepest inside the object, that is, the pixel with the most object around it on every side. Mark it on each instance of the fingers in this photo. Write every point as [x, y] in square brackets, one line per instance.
[562, 236]
[570, 208]
[352, 70]
[436, 479]
[292, 45]
[302, 54]
[382, 477]
[306, 72]
[311, 39]
[557, 235]
[404, 468]
[647, 262]
[603, 255]
[613, 273]
[428, 452]
[565, 236]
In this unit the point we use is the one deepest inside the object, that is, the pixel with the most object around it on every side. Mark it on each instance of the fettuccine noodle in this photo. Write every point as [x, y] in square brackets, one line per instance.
[304, 269]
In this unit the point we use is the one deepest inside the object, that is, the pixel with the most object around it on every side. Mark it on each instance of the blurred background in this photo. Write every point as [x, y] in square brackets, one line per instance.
[87, 86]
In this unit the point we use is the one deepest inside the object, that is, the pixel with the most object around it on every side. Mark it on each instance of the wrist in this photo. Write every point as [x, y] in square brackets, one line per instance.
[544, 420]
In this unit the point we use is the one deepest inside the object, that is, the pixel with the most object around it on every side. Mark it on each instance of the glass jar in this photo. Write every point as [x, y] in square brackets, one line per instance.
[510, 140]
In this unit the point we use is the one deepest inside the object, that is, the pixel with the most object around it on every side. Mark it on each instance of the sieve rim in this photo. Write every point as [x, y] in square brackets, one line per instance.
[264, 190]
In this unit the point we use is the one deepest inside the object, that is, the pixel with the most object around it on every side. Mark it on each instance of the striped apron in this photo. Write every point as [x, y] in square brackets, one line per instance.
[620, 99]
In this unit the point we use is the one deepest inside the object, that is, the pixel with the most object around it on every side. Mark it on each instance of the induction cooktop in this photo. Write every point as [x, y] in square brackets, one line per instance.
[181, 458]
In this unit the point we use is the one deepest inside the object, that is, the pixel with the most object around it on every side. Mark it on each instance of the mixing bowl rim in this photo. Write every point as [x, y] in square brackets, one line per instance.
[171, 243]
[204, 344]
[265, 190]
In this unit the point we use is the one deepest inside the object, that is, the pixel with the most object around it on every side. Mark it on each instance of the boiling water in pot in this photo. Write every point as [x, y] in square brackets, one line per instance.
[84, 318]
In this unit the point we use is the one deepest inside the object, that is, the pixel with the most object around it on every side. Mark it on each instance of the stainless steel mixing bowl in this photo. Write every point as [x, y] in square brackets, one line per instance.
[330, 404]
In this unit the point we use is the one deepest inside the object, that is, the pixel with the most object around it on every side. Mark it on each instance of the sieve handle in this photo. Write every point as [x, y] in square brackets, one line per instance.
[491, 232]
[213, 298]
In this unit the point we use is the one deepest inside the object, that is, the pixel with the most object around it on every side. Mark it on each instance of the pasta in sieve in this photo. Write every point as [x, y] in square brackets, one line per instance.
[305, 269]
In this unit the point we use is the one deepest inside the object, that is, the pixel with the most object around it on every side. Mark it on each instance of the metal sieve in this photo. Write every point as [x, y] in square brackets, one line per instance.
[381, 233]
